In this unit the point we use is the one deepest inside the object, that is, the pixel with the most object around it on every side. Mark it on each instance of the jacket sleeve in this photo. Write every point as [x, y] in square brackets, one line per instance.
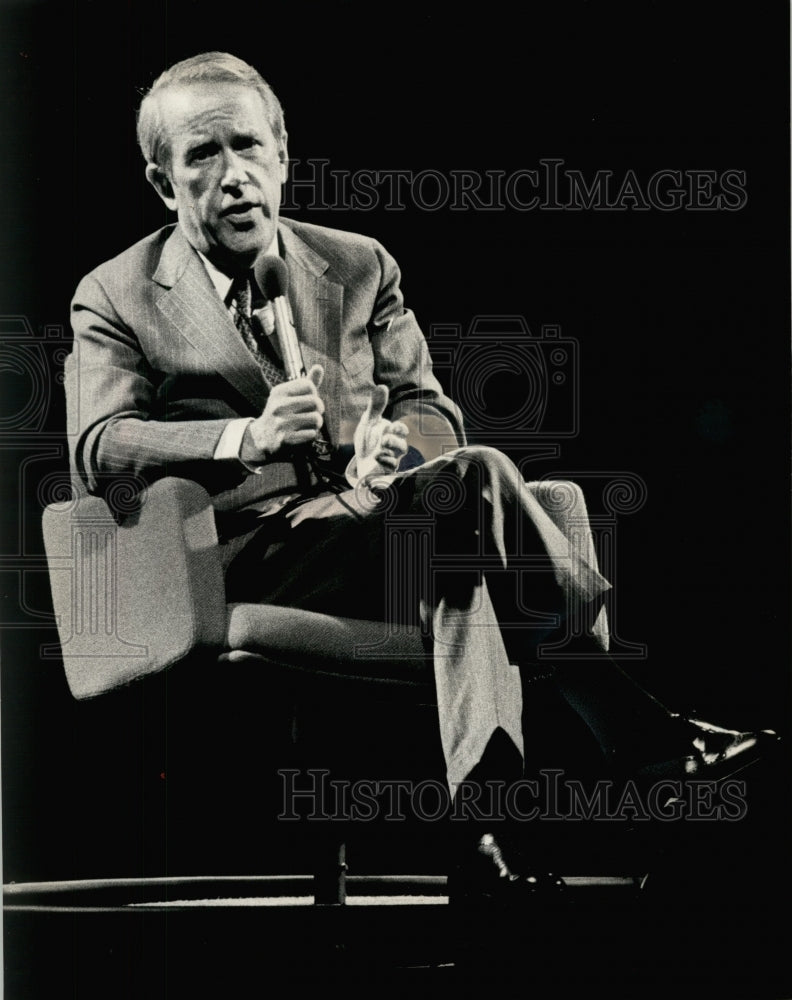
[111, 396]
[403, 363]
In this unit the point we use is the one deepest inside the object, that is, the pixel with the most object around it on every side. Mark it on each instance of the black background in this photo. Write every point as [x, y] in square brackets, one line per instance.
[682, 317]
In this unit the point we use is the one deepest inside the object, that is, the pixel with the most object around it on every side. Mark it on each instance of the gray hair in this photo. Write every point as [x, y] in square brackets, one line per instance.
[208, 67]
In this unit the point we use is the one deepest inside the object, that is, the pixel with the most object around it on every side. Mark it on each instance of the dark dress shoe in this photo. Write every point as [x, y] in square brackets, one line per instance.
[710, 752]
[486, 877]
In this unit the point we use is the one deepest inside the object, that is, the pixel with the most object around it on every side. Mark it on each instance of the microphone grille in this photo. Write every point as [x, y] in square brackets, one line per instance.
[272, 276]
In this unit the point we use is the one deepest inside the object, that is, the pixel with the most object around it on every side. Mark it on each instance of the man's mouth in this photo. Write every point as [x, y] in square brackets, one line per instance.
[241, 210]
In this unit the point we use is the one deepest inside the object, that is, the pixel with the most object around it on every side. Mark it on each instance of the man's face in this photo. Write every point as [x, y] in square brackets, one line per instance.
[226, 171]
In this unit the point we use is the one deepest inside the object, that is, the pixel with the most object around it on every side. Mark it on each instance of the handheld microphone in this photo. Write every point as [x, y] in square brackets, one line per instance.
[272, 277]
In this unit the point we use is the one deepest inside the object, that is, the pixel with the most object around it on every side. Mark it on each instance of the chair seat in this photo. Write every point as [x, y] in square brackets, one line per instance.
[309, 642]
[335, 647]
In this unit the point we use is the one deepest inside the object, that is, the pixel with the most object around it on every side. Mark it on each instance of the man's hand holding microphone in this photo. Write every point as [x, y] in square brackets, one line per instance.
[294, 413]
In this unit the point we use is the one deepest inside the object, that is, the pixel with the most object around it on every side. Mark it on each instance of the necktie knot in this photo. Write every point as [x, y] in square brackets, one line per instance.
[254, 330]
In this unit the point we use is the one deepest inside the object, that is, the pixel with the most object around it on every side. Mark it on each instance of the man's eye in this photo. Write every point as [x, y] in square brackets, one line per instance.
[245, 142]
[202, 153]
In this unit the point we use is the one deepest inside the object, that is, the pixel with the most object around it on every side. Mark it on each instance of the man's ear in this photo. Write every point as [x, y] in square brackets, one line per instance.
[160, 181]
[283, 159]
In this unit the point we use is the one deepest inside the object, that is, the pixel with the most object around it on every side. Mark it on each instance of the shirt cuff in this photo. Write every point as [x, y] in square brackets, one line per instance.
[230, 443]
[351, 476]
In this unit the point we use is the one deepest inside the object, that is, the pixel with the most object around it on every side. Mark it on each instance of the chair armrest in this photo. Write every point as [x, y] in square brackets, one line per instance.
[135, 590]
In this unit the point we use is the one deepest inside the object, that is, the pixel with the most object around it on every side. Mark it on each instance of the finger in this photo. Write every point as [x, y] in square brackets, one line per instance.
[392, 448]
[299, 393]
[316, 375]
[307, 422]
[394, 443]
[378, 400]
[301, 437]
[397, 427]
[302, 386]
[301, 422]
[300, 407]
[387, 460]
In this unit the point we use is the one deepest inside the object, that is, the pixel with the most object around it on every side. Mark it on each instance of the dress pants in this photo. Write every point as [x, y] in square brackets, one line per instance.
[485, 565]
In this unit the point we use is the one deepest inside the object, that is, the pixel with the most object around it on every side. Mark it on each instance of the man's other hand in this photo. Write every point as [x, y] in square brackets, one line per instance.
[292, 416]
[380, 444]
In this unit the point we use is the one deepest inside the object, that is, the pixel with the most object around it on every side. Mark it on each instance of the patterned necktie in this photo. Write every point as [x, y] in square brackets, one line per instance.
[252, 334]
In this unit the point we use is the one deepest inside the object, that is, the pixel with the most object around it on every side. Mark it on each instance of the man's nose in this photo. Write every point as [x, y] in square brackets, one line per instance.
[234, 171]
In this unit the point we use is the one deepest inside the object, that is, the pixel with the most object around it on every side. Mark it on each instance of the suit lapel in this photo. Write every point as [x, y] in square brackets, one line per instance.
[191, 303]
[317, 304]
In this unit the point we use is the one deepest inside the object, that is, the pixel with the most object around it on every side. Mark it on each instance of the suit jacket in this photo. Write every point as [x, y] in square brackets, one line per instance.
[159, 369]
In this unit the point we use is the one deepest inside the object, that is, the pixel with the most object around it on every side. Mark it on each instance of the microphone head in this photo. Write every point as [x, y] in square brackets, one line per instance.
[271, 276]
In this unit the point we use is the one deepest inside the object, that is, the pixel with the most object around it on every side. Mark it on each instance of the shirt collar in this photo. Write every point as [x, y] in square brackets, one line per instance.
[220, 280]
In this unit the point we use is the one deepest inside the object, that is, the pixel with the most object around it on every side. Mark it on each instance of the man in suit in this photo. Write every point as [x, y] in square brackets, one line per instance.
[176, 372]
